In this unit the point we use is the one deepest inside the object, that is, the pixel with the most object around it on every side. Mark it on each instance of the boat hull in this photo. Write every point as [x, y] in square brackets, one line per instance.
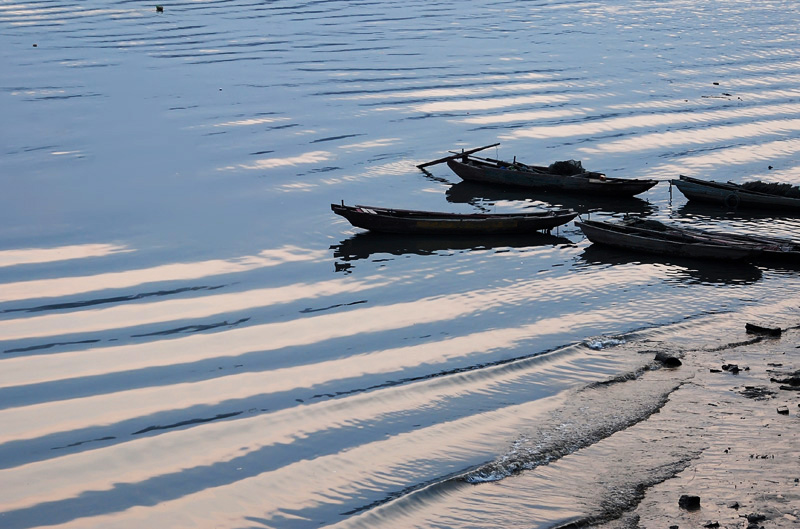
[614, 235]
[507, 175]
[731, 196]
[437, 223]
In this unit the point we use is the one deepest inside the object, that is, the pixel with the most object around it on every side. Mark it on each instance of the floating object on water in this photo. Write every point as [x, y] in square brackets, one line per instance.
[159, 9]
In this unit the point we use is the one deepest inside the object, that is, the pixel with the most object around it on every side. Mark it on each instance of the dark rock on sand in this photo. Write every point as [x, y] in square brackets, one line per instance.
[668, 360]
[762, 329]
[689, 502]
[757, 393]
[793, 379]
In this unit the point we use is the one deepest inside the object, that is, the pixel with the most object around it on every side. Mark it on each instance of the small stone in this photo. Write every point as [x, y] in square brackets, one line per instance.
[159, 9]
[734, 505]
[667, 359]
[783, 410]
[731, 368]
[689, 502]
[712, 525]
[762, 329]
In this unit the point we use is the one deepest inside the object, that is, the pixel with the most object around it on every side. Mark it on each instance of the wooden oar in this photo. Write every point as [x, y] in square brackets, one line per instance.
[452, 157]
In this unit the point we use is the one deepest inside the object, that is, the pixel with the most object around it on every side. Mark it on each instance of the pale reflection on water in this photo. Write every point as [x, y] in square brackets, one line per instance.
[66, 286]
[64, 253]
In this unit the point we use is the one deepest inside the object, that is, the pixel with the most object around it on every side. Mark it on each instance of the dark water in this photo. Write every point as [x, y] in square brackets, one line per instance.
[191, 338]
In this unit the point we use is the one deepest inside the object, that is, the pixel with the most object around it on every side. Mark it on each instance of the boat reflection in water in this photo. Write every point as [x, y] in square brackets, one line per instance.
[483, 196]
[702, 210]
[366, 244]
[683, 270]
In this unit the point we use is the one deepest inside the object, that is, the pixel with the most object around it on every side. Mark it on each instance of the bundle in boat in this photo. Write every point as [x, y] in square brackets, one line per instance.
[773, 188]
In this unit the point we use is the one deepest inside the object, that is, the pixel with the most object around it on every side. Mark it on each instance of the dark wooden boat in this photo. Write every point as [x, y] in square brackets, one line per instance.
[770, 247]
[432, 222]
[667, 242]
[567, 177]
[748, 195]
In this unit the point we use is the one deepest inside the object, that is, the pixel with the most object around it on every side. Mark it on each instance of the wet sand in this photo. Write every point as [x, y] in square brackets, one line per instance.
[747, 469]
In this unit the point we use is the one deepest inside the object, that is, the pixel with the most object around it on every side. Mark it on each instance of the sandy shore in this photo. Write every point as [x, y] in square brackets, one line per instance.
[734, 405]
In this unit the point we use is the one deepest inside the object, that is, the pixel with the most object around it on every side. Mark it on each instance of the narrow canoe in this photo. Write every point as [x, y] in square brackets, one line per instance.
[389, 220]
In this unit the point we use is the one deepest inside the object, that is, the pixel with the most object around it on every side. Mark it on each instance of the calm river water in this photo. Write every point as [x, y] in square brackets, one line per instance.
[189, 336]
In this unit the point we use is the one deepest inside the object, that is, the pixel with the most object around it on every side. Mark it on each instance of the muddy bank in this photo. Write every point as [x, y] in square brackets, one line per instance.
[739, 406]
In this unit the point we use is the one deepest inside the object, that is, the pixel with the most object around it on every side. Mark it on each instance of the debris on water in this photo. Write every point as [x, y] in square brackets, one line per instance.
[754, 328]
[689, 502]
[159, 9]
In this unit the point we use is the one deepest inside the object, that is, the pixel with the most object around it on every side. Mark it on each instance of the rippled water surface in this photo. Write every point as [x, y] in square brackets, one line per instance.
[190, 337]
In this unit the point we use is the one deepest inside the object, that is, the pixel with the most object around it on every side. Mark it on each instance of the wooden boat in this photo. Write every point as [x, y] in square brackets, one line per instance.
[567, 176]
[432, 222]
[667, 242]
[770, 247]
[748, 195]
